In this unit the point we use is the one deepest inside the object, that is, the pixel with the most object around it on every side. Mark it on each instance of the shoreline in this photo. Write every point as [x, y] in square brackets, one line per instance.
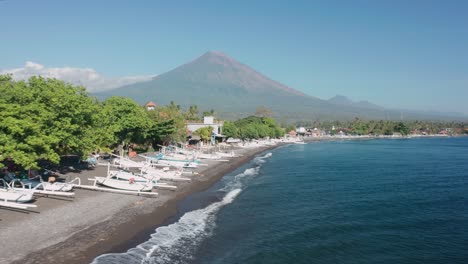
[128, 224]
[131, 224]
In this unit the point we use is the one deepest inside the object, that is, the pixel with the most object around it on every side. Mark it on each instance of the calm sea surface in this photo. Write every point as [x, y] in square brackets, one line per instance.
[374, 201]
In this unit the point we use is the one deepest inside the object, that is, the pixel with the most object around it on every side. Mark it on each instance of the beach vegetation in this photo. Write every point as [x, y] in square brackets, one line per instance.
[204, 133]
[169, 124]
[44, 119]
[387, 127]
[209, 113]
[401, 128]
[254, 127]
[192, 113]
[121, 120]
[230, 130]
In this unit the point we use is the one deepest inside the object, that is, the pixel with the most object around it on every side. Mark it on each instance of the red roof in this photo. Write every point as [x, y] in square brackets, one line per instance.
[150, 103]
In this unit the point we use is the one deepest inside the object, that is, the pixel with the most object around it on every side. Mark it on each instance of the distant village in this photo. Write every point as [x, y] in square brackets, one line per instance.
[341, 132]
[399, 129]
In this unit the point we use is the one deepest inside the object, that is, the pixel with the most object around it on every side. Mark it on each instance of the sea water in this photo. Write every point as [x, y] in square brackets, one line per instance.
[373, 201]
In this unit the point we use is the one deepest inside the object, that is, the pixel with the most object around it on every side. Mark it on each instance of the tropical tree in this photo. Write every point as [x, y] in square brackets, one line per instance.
[290, 128]
[258, 127]
[43, 119]
[209, 113]
[170, 115]
[402, 128]
[230, 130]
[122, 121]
[192, 113]
[249, 131]
[204, 133]
[160, 132]
[173, 106]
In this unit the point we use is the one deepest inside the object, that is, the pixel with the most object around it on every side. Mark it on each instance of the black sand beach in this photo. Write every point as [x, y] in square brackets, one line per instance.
[93, 223]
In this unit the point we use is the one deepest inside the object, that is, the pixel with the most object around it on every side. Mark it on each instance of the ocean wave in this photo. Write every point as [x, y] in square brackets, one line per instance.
[239, 179]
[262, 159]
[170, 244]
[175, 243]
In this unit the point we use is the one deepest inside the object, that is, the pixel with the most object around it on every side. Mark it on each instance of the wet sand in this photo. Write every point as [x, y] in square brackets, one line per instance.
[93, 223]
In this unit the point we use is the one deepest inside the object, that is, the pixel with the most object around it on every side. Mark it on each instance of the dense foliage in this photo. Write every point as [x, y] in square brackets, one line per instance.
[204, 133]
[253, 127]
[43, 119]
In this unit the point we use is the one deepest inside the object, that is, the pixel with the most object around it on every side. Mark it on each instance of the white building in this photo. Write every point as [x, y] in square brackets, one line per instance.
[301, 130]
[217, 126]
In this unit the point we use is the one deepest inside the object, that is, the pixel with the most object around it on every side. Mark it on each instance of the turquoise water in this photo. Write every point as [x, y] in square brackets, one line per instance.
[375, 201]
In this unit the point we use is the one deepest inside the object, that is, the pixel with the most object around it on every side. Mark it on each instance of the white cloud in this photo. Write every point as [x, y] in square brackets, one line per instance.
[87, 77]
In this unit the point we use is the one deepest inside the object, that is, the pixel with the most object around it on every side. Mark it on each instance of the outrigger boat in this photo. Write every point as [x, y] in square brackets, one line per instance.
[162, 160]
[12, 195]
[139, 178]
[127, 185]
[12, 198]
[126, 163]
[38, 184]
[119, 186]
[163, 174]
[17, 205]
[40, 188]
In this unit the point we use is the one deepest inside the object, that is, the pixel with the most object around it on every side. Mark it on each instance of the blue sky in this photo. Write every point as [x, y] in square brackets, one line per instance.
[400, 54]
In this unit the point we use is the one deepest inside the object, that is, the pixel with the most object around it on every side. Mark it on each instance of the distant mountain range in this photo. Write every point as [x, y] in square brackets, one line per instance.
[216, 81]
[345, 101]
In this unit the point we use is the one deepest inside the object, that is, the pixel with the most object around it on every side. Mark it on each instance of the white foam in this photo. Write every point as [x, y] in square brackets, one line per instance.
[238, 181]
[250, 171]
[170, 244]
[175, 243]
[261, 160]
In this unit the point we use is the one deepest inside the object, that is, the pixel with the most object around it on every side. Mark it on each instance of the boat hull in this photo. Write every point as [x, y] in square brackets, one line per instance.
[15, 196]
[124, 185]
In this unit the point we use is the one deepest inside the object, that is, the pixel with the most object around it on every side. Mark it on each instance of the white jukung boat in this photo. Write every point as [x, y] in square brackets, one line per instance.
[124, 185]
[140, 178]
[227, 155]
[17, 205]
[163, 175]
[37, 183]
[118, 187]
[52, 186]
[211, 157]
[9, 194]
[16, 196]
[160, 160]
[41, 188]
[123, 162]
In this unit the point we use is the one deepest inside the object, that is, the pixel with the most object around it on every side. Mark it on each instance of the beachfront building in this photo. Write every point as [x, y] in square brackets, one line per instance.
[150, 106]
[292, 133]
[208, 121]
[316, 132]
[301, 131]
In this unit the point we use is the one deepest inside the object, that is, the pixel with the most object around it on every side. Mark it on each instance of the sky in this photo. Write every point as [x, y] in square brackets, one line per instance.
[398, 54]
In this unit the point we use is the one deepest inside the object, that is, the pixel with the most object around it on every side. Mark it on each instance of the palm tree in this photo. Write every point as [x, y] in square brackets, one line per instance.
[192, 113]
